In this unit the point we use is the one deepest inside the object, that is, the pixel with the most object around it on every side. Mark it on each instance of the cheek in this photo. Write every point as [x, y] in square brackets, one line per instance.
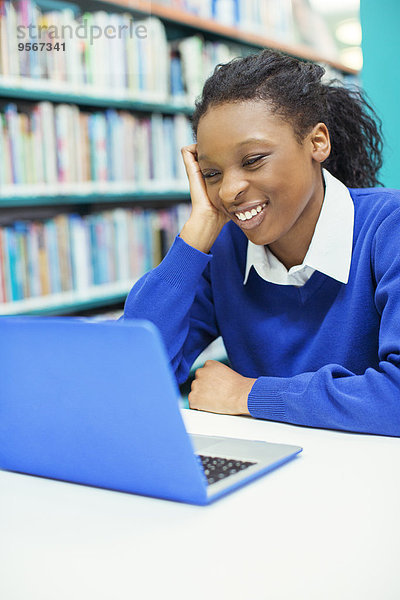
[289, 207]
[292, 193]
[212, 193]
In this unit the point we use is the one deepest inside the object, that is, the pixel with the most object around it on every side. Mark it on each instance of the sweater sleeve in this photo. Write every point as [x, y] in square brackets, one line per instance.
[177, 297]
[334, 397]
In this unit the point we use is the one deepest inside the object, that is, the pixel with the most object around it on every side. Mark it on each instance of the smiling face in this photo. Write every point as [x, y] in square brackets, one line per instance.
[258, 173]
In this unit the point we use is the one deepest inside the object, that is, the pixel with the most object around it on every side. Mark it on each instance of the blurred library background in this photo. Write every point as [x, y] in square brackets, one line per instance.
[95, 102]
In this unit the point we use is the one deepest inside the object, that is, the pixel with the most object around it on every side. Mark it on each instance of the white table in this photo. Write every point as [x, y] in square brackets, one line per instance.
[324, 526]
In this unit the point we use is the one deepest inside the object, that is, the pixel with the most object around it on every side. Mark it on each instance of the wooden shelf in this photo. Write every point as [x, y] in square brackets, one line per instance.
[182, 18]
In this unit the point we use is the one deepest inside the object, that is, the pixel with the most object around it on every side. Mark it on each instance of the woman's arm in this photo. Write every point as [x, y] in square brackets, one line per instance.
[331, 397]
[176, 296]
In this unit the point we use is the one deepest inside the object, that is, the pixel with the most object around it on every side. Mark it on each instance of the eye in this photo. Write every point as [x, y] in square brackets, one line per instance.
[251, 161]
[210, 174]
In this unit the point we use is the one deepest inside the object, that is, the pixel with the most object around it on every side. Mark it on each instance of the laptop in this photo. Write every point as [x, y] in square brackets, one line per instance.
[96, 403]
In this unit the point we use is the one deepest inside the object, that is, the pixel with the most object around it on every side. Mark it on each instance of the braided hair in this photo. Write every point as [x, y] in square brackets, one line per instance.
[294, 91]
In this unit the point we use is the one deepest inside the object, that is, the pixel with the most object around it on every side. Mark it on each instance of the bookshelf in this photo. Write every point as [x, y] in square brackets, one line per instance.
[214, 30]
[159, 99]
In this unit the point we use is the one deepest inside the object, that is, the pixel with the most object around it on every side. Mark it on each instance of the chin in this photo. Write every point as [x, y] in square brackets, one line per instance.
[260, 238]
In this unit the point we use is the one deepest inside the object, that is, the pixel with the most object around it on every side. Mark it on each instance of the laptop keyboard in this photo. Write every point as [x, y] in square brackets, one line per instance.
[217, 468]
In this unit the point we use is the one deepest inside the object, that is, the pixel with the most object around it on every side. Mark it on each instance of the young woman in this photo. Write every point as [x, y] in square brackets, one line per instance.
[299, 274]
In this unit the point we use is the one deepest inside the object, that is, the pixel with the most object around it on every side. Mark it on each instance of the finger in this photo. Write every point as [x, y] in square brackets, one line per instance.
[210, 362]
[189, 155]
[191, 148]
[192, 167]
[192, 402]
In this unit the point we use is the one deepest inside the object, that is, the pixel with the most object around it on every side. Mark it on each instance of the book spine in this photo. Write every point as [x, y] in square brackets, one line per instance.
[20, 274]
[80, 253]
[34, 260]
[3, 290]
[61, 131]
[100, 250]
[11, 37]
[85, 146]
[7, 274]
[95, 258]
[52, 257]
[37, 147]
[4, 57]
[64, 253]
[48, 134]
[11, 116]
[133, 246]
[44, 270]
[121, 242]
[3, 149]
[13, 272]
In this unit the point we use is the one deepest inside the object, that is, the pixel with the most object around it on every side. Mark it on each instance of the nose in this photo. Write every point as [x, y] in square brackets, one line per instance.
[231, 189]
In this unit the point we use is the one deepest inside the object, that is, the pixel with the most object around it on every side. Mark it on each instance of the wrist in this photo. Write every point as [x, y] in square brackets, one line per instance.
[200, 233]
[243, 401]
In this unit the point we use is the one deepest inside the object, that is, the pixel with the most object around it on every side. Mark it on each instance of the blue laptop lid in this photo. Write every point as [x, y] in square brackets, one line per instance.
[94, 403]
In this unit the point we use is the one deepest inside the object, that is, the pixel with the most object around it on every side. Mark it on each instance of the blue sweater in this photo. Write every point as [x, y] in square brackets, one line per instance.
[326, 354]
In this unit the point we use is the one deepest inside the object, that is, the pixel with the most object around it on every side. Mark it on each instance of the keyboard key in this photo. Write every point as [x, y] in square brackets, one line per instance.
[217, 468]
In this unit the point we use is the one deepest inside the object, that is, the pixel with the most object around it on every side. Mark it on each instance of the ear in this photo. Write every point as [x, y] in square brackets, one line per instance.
[320, 142]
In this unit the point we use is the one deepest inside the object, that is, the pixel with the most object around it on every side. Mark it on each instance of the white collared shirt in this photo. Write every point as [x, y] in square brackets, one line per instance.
[329, 251]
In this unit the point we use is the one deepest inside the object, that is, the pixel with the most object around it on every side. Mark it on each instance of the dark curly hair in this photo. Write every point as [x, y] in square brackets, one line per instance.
[294, 91]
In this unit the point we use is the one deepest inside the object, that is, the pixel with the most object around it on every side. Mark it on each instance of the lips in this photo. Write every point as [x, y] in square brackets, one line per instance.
[250, 216]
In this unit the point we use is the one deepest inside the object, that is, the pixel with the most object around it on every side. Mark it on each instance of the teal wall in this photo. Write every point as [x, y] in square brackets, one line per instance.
[380, 77]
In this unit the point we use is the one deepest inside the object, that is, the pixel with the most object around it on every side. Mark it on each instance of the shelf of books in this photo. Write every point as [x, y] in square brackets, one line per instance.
[290, 26]
[95, 105]
[85, 260]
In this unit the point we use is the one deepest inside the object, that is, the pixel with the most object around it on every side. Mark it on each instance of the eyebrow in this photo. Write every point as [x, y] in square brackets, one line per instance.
[248, 141]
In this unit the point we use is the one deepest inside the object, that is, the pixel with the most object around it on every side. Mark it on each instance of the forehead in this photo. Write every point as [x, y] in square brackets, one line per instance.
[227, 126]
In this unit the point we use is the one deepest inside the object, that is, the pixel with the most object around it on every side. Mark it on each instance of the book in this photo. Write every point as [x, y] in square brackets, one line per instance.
[64, 251]
[80, 256]
[7, 275]
[43, 261]
[13, 274]
[3, 290]
[22, 273]
[11, 118]
[3, 40]
[48, 134]
[35, 288]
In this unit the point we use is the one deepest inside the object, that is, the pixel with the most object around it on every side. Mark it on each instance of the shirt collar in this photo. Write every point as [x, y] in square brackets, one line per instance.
[331, 245]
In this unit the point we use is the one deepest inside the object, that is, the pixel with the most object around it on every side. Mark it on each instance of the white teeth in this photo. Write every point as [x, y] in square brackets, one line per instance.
[247, 215]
